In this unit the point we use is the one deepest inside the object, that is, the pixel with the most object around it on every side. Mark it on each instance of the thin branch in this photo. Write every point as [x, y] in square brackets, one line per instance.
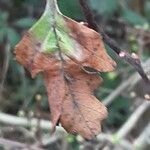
[131, 122]
[131, 59]
[21, 121]
[17, 145]
[143, 139]
[109, 99]
[129, 83]
[108, 137]
[25, 122]
[46, 125]
[8, 129]
[48, 139]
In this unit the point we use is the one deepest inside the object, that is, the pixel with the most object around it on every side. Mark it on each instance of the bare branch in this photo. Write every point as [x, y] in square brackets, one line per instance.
[107, 137]
[131, 122]
[20, 121]
[17, 145]
[130, 82]
[143, 139]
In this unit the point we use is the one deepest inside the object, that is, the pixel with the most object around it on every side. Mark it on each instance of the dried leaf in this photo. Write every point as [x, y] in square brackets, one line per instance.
[70, 55]
[81, 111]
[94, 54]
[55, 85]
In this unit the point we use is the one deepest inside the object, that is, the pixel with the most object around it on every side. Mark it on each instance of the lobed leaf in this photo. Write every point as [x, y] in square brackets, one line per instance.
[65, 52]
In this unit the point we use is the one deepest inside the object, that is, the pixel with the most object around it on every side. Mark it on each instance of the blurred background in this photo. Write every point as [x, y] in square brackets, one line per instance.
[123, 92]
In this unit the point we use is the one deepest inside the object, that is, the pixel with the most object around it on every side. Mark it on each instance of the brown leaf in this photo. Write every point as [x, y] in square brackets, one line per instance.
[94, 54]
[28, 54]
[55, 85]
[69, 87]
[82, 113]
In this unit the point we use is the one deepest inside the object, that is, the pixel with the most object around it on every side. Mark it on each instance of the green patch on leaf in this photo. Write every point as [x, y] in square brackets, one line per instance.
[51, 30]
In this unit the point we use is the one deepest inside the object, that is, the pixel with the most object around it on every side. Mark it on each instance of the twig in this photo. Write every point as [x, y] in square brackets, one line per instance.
[143, 139]
[8, 129]
[131, 59]
[147, 70]
[126, 84]
[20, 121]
[25, 122]
[131, 122]
[11, 143]
[109, 99]
[107, 137]
[46, 125]
[49, 140]
[16, 145]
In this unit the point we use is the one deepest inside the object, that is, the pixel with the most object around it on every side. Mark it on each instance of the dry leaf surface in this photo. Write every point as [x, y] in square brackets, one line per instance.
[69, 87]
